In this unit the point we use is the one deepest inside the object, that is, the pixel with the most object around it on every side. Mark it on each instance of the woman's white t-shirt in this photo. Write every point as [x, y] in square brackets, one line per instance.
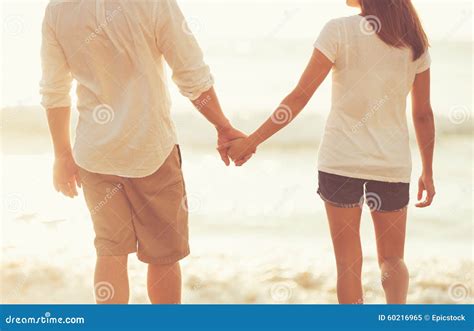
[366, 135]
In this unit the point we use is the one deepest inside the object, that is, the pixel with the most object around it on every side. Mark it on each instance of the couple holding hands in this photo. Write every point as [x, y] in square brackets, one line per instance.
[128, 163]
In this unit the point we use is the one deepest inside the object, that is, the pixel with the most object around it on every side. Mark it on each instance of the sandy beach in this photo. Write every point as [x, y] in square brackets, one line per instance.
[258, 234]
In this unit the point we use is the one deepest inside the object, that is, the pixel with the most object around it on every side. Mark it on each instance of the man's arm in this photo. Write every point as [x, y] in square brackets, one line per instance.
[190, 73]
[208, 105]
[54, 88]
[65, 172]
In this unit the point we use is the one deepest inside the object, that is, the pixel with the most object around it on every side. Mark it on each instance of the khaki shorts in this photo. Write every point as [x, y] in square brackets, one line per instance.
[144, 215]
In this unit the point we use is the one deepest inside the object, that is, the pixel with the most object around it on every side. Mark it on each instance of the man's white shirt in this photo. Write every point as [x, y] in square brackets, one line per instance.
[115, 50]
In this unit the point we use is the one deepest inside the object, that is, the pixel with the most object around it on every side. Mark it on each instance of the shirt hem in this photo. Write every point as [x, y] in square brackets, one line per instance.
[423, 69]
[119, 173]
[365, 176]
[325, 52]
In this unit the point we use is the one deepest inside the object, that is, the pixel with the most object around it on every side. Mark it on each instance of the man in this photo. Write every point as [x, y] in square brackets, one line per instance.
[125, 155]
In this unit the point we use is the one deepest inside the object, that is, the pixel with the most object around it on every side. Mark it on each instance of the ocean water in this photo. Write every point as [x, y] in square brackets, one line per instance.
[257, 50]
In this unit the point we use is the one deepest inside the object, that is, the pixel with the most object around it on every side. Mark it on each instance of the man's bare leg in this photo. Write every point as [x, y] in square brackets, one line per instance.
[111, 280]
[164, 283]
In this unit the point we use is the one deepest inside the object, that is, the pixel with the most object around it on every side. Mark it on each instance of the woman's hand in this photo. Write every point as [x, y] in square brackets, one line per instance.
[240, 150]
[224, 136]
[426, 184]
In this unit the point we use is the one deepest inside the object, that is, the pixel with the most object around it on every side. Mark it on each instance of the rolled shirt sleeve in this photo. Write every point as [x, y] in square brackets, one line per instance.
[181, 51]
[55, 85]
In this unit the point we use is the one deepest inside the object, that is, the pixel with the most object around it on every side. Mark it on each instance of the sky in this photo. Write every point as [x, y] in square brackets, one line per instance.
[215, 22]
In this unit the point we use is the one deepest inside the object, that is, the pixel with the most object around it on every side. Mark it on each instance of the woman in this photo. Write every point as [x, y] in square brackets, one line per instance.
[377, 58]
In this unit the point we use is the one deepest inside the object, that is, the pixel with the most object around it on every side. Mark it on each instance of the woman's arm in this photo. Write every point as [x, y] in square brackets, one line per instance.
[423, 120]
[315, 73]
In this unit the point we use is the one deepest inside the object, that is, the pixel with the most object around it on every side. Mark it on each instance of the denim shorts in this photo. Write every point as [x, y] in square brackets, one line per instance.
[347, 192]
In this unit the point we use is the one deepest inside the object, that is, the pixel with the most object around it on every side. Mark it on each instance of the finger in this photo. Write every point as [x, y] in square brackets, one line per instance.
[430, 198]
[73, 186]
[56, 185]
[420, 191]
[421, 204]
[424, 204]
[224, 156]
[65, 189]
[69, 193]
[78, 182]
[248, 157]
[77, 178]
[225, 145]
[228, 144]
[241, 162]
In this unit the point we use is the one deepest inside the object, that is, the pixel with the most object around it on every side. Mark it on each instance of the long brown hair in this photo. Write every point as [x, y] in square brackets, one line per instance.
[397, 24]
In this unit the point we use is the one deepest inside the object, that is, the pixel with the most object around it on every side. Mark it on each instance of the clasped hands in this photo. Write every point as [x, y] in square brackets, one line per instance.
[236, 146]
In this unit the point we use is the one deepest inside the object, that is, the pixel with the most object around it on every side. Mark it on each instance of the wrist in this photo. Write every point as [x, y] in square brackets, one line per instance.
[224, 126]
[428, 173]
[254, 140]
[63, 154]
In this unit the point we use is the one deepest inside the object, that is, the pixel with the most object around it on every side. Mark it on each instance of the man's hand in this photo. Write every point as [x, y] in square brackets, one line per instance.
[208, 105]
[240, 150]
[66, 175]
[224, 136]
[425, 184]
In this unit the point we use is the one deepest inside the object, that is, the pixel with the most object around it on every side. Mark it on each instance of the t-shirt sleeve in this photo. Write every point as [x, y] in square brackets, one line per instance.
[328, 40]
[423, 63]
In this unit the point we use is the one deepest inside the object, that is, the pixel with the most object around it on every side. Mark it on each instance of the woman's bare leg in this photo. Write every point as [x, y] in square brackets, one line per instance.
[344, 224]
[390, 229]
